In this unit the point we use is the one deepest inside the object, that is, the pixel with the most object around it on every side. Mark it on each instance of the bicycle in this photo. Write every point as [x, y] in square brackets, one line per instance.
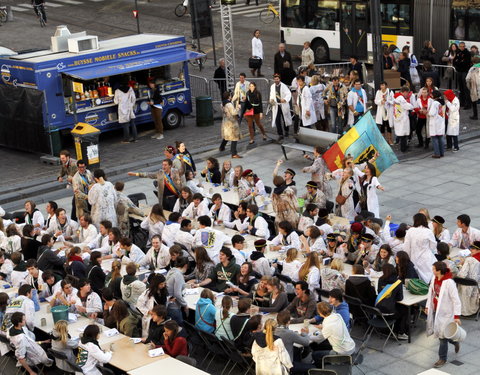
[3, 14]
[182, 8]
[199, 61]
[40, 11]
[269, 14]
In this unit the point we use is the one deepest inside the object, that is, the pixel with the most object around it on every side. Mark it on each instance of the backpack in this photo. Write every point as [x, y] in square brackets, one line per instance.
[418, 287]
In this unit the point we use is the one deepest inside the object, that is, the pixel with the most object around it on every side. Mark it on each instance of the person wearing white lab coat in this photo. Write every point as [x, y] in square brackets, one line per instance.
[287, 237]
[90, 355]
[198, 207]
[305, 103]
[158, 256]
[384, 115]
[220, 212]
[436, 124]
[453, 114]
[401, 121]
[443, 307]
[103, 198]
[125, 99]
[255, 224]
[129, 252]
[370, 186]
[357, 102]
[420, 245]
[469, 295]
[280, 96]
[211, 239]
[316, 89]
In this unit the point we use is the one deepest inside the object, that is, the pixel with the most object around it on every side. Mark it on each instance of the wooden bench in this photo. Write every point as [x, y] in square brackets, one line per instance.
[307, 138]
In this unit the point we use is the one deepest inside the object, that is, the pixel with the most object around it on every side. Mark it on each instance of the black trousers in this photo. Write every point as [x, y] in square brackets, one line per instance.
[168, 202]
[233, 146]
[73, 214]
[464, 98]
[282, 129]
[421, 122]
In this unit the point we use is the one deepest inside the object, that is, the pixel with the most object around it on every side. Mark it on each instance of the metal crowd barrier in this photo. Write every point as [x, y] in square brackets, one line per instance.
[447, 75]
[331, 69]
[263, 85]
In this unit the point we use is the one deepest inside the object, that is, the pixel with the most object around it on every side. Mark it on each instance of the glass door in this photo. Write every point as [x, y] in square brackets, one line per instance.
[354, 28]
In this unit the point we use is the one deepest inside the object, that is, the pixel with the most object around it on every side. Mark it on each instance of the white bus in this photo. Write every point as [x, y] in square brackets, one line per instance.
[338, 29]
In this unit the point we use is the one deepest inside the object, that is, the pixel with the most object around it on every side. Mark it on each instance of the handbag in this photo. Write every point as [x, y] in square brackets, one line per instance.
[248, 112]
[254, 62]
[340, 199]
[417, 287]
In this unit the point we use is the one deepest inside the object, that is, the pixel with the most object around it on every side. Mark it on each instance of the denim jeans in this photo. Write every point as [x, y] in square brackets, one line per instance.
[335, 121]
[126, 130]
[438, 145]
[443, 348]
[175, 313]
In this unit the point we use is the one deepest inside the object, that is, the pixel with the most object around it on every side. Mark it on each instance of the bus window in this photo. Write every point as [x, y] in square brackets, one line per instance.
[395, 19]
[293, 13]
[325, 15]
[473, 28]
[458, 23]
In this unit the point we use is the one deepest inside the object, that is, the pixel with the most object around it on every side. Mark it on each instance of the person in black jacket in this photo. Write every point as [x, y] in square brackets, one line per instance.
[404, 267]
[428, 71]
[280, 58]
[155, 101]
[254, 102]
[220, 77]
[29, 244]
[359, 286]
[95, 274]
[428, 52]
[404, 67]
[357, 66]
[462, 63]
[212, 172]
[48, 258]
[389, 305]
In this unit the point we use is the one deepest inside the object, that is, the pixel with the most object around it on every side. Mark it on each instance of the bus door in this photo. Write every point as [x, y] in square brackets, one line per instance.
[353, 29]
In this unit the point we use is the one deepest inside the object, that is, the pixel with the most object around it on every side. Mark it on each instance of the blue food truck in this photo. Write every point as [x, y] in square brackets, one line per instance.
[45, 93]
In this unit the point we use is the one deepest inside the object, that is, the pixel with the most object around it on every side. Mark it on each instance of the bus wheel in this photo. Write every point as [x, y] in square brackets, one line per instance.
[321, 51]
[173, 119]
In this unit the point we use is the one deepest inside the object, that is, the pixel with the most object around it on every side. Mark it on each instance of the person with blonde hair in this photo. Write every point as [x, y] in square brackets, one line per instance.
[62, 342]
[291, 264]
[154, 222]
[333, 277]
[310, 272]
[269, 353]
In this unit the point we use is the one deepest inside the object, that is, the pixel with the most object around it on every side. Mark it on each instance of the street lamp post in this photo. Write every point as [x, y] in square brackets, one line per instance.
[137, 16]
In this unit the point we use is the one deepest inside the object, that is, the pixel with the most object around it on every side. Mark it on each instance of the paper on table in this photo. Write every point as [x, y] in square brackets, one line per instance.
[192, 291]
[464, 253]
[136, 340]
[48, 299]
[111, 332]
[81, 329]
[161, 271]
[72, 317]
[155, 352]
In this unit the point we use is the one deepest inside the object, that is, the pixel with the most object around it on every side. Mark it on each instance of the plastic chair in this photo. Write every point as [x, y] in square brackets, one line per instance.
[356, 312]
[317, 371]
[468, 282]
[137, 197]
[9, 354]
[188, 360]
[105, 370]
[341, 364]
[62, 357]
[214, 347]
[193, 337]
[377, 321]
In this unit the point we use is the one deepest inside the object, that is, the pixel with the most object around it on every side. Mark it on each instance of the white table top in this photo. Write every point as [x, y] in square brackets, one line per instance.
[167, 365]
[7, 288]
[433, 371]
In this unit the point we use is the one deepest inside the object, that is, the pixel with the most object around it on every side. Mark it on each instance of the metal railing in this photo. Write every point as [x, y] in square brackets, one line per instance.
[447, 76]
[198, 86]
[331, 69]
[263, 86]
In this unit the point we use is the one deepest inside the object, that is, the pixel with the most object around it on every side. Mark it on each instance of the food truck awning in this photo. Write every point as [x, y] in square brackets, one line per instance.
[132, 65]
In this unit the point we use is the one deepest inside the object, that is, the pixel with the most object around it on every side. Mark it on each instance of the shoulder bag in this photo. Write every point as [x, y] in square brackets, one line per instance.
[340, 199]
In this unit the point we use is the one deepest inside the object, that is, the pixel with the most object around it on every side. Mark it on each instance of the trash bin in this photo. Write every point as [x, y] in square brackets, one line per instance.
[56, 142]
[204, 110]
[86, 144]
[60, 313]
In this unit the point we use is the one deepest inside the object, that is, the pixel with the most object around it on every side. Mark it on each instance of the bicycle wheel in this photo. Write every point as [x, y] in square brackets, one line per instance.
[199, 61]
[180, 10]
[267, 16]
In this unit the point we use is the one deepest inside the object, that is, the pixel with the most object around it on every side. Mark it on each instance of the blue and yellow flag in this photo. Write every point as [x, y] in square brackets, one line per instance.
[362, 141]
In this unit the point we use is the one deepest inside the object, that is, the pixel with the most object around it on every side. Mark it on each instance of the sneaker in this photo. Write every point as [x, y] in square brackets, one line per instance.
[402, 336]
[439, 363]
[125, 142]
[455, 149]
[154, 136]
[161, 136]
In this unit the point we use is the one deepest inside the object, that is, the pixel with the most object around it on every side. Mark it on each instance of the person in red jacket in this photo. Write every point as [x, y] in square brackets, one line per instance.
[174, 345]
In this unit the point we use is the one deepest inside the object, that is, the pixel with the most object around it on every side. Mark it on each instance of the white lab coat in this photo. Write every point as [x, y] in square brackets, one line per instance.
[194, 213]
[125, 102]
[436, 113]
[317, 97]
[260, 227]
[420, 245]
[224, 214]
[93, 304]
[257, 47]
[170, 231]
[90, 355]
[372, 198]
[292, 240]
[352, 100]
[271, 362]
[286, 94]
[144, 305]
[453, 127]
[103, 199]
[401, 121]
[448, 306]
[305, 103]
[26, 348]
[160, 262]
[212, 240]
[68, 229]
[384, 111]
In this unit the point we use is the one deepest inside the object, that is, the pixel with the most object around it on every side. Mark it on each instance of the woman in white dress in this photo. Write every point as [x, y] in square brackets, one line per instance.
[369, 187]
[317, 88]
[103, 198]
[420, 245]
[470, 269]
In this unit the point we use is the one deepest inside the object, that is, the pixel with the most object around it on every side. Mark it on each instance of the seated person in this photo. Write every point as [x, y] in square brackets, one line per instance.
[95, 273]
[339, 306]
[156, 326]
[19, 271]
[88, 302]
[287, 237]
[443, 255]
[28, 242]
[353, 242]
[238, 244]
[203, 266]
[291, 265]
[125, 322]
[130, 286]
[244, 282]
[278, 298]
[184, 237]
[24, 304]
[220, 212]
[314, 196]
[198, 207]
[6, 267]
[28, 352]
[358, 285]
[174, 344]
[48, 258]
[158, 256]
[90, 354]
[171, 228]
[50, 284]
[303, 305]
[62, 228]
[260, 264]
[211, 239]
[86, 234]
[323, 223]
[240, 327]
[66, 296]
[313, 240]
[224, 273]
[404, 267]
[260, 295]
[254, 223]
[335, 331]
[333, 277]
[129, 252]
[205, 311]
[366, 250]
[238, 217]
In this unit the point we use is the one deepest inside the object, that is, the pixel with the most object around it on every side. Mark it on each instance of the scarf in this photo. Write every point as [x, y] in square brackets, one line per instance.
[74, 258]
[476, 256]
[29, 217]
[256, 255]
